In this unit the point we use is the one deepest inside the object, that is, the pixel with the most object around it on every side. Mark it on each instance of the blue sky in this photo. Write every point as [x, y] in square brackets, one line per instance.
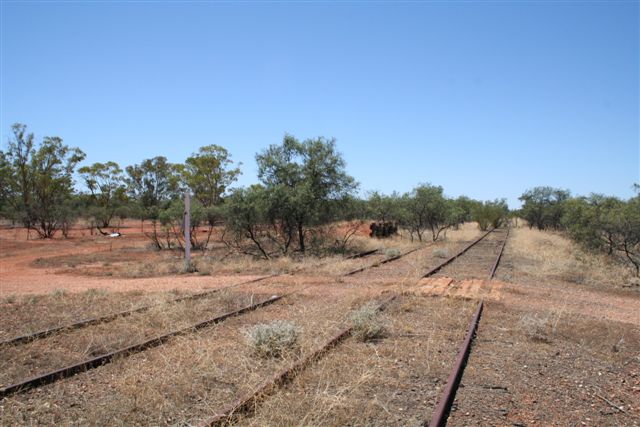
[487, 99]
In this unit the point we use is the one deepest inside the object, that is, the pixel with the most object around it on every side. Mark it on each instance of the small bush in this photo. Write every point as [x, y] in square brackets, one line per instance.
[441, 253]
[390, 253]
[537, 329]
[58, 293]
[272, 339]
[366, 323]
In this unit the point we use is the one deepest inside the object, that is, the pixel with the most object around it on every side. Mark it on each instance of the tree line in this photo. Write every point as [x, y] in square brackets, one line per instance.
[303, 188]
[597, 222]
[305, 200]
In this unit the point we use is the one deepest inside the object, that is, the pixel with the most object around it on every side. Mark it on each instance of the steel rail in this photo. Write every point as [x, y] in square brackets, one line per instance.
[362, 254]
[247, 402]
[452, 258]
[441, 413]
[384, 261]
[495, 265]
[95, 362]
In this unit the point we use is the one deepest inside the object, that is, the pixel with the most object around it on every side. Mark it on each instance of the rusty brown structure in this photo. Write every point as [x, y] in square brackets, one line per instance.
[495, 264]
[443, 408]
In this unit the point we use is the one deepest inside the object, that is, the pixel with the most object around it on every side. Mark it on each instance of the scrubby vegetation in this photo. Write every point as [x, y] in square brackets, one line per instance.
[272, 339]
[598, 223]
[304, 191]
[366, 323]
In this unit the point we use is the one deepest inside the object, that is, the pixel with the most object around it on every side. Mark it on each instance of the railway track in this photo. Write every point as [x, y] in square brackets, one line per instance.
[75, 368]
[22, 339]
[249, 400]
[443, 408]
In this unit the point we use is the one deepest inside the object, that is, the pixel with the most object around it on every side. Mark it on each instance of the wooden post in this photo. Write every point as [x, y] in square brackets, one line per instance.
[187, 232]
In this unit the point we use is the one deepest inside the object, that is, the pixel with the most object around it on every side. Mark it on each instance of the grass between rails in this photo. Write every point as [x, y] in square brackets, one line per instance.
[187, 378]
[139, 261]
[27, 314]
[22, 361]
[394, 380]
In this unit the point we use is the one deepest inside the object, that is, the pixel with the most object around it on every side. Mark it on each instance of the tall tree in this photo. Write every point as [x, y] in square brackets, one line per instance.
[542, 207]
[39, 180]
[107, 190]
[427, 209]
[302, 179]
[208, 173]
[153, 183]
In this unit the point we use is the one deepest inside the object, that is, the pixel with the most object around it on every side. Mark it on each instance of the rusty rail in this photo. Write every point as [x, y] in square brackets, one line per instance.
[95, 362]
[362, 254]
[384, 261]
[247, 402]
[495, 265]
[441, 413]
[452, 258]
[109, 317]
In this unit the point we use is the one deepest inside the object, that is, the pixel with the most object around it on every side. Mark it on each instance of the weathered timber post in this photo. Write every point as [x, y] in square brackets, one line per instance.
[187, 232]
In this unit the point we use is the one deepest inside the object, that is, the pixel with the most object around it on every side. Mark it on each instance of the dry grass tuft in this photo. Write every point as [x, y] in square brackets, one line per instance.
[272, 339]
[441, 253]
[537, 328]
[367, 324]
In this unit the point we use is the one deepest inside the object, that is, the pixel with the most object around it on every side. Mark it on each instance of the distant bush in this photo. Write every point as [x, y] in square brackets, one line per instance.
[490, 214]
[272, 339]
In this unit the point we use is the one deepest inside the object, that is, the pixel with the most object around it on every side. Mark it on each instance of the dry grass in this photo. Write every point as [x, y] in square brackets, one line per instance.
[27, 314]
[183, 381]
[272, 339]
[367, 324]
[392, 381]
[547, 255]
[141, 262]
[17, 362]
[465, 233]
[540, 367]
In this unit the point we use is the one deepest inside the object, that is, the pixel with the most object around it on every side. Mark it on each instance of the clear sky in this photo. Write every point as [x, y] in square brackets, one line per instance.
[486, 99]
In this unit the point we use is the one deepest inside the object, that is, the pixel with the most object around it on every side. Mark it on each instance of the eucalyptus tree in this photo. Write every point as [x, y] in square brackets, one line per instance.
[427, 209]
[153, 184]
[302, 180]
[209, 173]
[107, 190]
[542, 207]
[38, 180]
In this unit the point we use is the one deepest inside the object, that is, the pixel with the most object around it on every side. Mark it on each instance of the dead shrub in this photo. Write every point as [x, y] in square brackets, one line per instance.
[273, 339]
[366, 323]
